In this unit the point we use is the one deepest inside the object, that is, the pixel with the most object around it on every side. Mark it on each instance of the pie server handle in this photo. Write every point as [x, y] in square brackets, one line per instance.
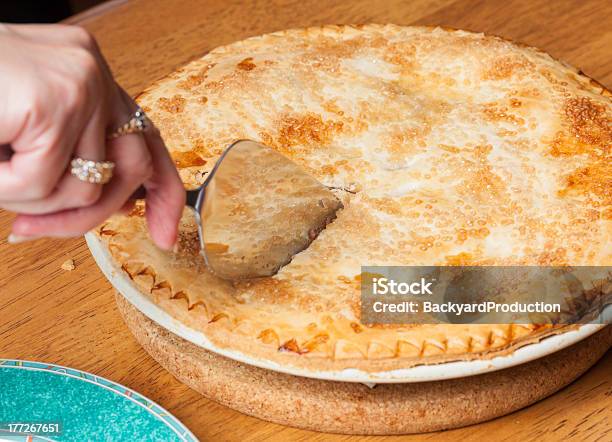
[6, 152]
[193, 196]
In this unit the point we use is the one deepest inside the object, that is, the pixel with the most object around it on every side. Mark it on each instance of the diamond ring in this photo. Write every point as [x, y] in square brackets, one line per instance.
[138, 122]
[95, 172]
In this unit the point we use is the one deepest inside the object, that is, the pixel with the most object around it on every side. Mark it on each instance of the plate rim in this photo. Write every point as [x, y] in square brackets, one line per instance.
[419, 373]
[149, 405]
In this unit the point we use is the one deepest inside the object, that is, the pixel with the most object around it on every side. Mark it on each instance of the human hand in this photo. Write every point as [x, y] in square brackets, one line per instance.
[59, 102]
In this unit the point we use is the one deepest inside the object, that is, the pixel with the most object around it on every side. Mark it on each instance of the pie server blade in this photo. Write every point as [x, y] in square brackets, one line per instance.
[256, 210]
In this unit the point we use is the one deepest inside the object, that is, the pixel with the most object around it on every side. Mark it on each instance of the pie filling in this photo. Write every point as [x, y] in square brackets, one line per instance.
[452, 148]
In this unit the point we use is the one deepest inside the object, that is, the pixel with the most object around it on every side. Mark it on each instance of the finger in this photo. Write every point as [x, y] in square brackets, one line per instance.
[165, 191]
[165, 194]
[133, 166]
[66, 35]
[71, 192]
[42, 147]
[59, 34]
[33, 172]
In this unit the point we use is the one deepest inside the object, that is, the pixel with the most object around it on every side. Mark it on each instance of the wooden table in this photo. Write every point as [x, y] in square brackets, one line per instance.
[69, 318]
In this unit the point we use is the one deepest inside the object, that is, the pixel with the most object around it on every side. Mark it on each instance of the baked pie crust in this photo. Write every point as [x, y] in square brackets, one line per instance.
[445, 147]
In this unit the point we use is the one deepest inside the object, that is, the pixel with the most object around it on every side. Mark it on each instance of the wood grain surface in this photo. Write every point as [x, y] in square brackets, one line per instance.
[69, 317]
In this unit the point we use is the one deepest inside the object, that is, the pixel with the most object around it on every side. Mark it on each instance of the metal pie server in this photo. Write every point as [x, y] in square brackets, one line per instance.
[256, 210]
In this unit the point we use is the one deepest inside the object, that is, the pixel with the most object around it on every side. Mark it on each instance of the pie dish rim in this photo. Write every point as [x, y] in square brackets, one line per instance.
[419, 373]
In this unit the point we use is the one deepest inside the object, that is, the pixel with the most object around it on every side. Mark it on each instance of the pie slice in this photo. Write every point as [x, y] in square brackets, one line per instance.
[445, 147]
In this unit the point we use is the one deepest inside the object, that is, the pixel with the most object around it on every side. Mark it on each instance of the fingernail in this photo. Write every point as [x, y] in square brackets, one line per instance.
[16, 239]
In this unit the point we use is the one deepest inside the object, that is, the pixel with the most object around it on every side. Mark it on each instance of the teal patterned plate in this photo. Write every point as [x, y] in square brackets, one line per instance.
[78, 406]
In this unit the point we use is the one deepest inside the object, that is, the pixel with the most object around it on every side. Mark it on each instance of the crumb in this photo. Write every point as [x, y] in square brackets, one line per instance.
[68, 265]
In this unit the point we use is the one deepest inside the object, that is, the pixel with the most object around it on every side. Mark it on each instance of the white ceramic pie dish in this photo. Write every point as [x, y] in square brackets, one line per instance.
[422, 373]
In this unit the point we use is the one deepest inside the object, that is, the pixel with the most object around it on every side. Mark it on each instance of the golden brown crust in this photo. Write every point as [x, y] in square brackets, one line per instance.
[451, 148]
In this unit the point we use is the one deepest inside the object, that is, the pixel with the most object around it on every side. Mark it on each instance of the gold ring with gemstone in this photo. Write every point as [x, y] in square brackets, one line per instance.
[95, 172]
[138, 122]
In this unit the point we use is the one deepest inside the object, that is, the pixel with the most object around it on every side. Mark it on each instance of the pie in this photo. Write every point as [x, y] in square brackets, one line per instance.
[445, 147]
